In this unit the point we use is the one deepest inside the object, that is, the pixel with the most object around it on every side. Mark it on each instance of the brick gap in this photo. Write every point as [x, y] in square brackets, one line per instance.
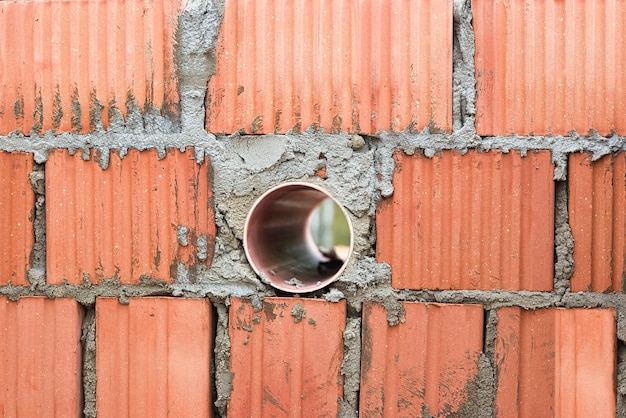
[486, 313]
[621, 378]
[463, 79]
[563, 240]
[352, 357]
[489, 350]
[212, 362]
[89, 377]
[220, 372]
[37, 272]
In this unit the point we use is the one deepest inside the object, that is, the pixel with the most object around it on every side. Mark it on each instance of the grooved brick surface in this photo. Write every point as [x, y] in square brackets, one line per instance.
[341, 65]
[40, 357]
[424, 363]
[550, 66]
[286, 357]
[73, 65]
[153, 357]
[125, 221]
[597, 215]
[17, 208]
[474, 221]
[555, 362]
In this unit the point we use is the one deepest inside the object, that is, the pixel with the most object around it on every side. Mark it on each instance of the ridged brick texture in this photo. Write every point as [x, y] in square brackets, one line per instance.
[124, 221]
[17, 208]
[340, 65]
[66, 64]
[424, 363]
[286, 357]
[153, 357]
[525, 55]
[555, 362]
[473, 221]
[597, 215]
[40, 357]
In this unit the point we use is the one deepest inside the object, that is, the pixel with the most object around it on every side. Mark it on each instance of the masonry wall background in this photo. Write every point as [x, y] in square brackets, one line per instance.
[478, 147]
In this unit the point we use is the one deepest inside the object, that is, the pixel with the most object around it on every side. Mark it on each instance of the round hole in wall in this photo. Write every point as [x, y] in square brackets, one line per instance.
[298, 237]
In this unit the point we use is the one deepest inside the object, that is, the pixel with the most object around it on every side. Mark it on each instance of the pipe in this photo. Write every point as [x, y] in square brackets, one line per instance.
[278, 241]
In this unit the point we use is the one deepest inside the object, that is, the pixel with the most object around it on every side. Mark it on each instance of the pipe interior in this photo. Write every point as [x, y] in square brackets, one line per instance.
[283, 242]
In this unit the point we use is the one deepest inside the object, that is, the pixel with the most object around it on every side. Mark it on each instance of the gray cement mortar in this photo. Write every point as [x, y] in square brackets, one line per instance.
[90, 379]
[621, 380]
[359, 170]
[351, 368]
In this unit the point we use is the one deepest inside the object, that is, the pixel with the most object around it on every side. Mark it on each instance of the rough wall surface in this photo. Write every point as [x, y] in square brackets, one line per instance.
[136, 214]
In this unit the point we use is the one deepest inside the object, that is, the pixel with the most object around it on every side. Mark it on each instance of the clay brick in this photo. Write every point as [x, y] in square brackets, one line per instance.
[17, 206]
[550, 66]
[40, 357]
[123, 222]
[286, 357]
[422, 364]
[555, 362]
[153, 357]
[597, 215]
[474, 221]
[344, 65]
[68, 64]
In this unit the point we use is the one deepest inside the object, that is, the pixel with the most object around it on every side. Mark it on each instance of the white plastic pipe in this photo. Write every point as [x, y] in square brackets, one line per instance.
[278, 243]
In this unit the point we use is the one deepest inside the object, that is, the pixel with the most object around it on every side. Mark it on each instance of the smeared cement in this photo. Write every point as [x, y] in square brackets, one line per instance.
[358, 173]
[351, 368]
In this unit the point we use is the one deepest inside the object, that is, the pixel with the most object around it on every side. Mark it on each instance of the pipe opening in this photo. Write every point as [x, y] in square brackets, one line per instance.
[298, 237]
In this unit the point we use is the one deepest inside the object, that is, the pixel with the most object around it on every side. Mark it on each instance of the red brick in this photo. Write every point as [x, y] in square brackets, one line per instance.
[349, 65]
[17, 206]
[153, 357]
[122, 222]
[40, 357]
[284, 363]
[550, 66]
[427, 361]
[474, 221]
[555, 362]
[597, 215]
[59, 57]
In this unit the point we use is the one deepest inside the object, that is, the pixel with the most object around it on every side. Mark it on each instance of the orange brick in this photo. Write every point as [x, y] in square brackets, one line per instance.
[17, 206]
[344, 65]
[597, 215]
[40, 357]
[286, 357]
[525, 53]
[424, 362]
[61, 57]
[555, 362]
[153, 357]
[123, 221]
[473, 221]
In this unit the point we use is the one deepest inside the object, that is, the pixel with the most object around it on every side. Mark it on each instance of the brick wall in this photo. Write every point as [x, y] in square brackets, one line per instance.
[477, 146]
